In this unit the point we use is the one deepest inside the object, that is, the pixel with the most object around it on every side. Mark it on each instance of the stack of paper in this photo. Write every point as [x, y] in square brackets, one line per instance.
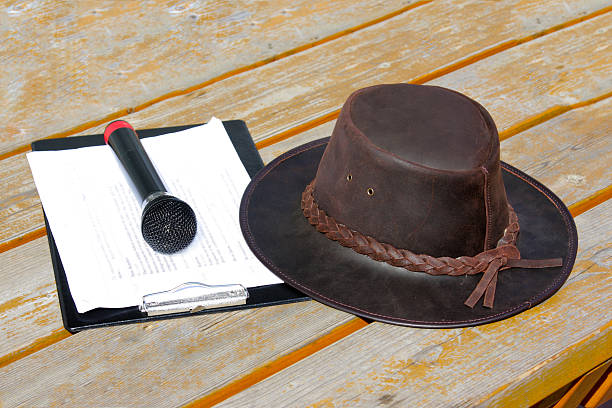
[95, 218]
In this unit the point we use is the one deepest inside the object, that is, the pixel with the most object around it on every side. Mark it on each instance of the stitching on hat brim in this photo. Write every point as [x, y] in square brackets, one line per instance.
[534, 300]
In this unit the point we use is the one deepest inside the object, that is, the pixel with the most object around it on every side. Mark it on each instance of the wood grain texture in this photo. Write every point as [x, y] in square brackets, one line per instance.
[94, 340]
[560, 72]
[310, 84]
[29, 307]
[512, 363]
[554, 152]
[603, 392]
[286, 93]
[268, 153]
[273, 366]
[583, 386]
[20, 209]
[10, 347]
[578, 140]
[90, 360]
[66, 63]
[164, 363]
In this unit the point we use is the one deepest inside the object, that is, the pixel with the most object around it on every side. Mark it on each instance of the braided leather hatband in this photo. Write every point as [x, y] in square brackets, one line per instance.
[505, 255]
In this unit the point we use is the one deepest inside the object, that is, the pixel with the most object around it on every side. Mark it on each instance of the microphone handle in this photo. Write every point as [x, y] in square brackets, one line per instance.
[127, 146]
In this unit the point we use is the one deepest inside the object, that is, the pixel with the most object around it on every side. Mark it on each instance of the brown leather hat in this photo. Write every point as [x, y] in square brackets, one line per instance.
[406, 215]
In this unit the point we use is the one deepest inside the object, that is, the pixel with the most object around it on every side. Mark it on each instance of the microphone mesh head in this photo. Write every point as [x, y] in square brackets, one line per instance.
[168, 224]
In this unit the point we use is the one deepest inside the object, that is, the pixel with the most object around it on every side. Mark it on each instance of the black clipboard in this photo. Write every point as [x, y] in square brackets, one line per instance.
[74, 321]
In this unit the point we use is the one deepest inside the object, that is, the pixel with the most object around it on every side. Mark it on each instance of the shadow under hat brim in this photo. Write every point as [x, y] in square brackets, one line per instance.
[281, 237]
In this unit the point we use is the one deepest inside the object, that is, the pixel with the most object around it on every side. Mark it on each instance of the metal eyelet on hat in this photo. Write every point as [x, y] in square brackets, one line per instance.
[370, 191]
[349, 177]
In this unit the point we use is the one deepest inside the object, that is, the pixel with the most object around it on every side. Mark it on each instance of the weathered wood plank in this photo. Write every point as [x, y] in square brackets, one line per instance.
[92, 340]
[9, 346]
[550, 68]
[515, 362]
[308, 85]
[117, 377]
[286, 93]
[579, 391]
[189, 351]
[29, 306]
[89, 59]
[20, 209]
[162, 363]
[268, 153]
[578, 140]
[577, 137]
[602, 394]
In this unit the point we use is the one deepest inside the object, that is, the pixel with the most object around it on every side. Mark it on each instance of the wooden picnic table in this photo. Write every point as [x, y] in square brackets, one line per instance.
[543, 68]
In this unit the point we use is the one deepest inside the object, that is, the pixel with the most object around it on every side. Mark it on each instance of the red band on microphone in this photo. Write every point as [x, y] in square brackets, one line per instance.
[118, 124]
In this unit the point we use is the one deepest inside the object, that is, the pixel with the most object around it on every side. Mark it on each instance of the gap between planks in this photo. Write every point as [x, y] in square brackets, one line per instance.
[357, 323]
[56, 336]
[123, 112]
[332, 115]
[259, 374]
[352, 326]
[569, 350]
[540, 118]
[285, 361]
[583, 386]
[24, 239]
[265, 371]
[454, 67]
[591, 201]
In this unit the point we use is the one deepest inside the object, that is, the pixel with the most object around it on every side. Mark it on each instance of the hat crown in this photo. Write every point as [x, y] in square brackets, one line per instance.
[409, 121]
[416, 167]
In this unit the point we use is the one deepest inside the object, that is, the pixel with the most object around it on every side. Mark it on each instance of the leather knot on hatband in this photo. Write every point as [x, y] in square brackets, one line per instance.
[505, 255]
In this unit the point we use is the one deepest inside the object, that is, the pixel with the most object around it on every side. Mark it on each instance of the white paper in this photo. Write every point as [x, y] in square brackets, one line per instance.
[95, 218]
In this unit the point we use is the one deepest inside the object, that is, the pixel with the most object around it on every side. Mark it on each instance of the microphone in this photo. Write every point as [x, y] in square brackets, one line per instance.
[168, 224]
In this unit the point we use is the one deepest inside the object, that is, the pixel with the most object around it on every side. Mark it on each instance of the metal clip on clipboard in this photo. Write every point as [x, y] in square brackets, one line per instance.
[193, 297]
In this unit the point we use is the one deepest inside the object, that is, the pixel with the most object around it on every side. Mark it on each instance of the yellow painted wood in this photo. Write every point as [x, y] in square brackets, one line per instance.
[20, 208]
[512, 363]
[549, 67]
[273, 366]
[579, 391]
[603, 393]
[284, 94]
[268, 153]
[23, 215]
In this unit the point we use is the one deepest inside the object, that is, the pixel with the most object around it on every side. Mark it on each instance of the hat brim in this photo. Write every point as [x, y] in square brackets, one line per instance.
[280, 236]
